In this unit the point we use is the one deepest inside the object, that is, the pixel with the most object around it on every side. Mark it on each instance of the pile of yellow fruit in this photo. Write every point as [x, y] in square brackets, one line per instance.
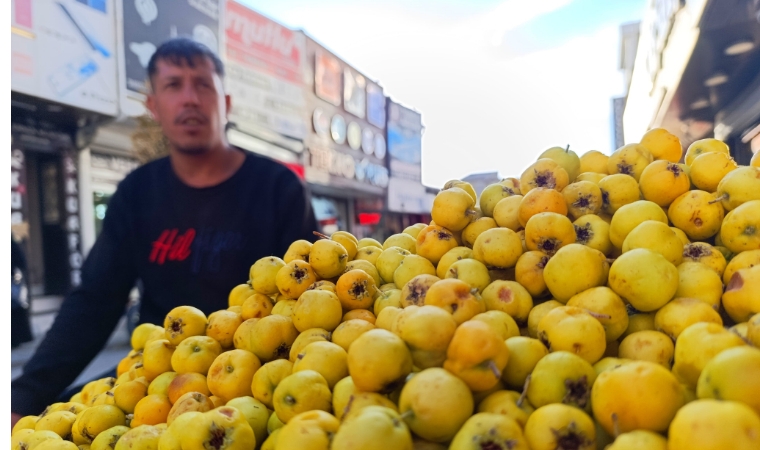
[597, 302]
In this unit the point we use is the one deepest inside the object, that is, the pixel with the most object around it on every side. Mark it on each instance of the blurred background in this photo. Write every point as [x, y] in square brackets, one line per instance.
[374, 105]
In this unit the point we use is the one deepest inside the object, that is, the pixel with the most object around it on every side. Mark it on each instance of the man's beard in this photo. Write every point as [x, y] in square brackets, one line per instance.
[191, 150]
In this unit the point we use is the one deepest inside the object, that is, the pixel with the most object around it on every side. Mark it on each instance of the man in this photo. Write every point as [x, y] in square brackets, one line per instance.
[188, 226]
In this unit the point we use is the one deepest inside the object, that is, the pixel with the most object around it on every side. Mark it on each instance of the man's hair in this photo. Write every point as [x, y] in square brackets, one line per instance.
[183, 50]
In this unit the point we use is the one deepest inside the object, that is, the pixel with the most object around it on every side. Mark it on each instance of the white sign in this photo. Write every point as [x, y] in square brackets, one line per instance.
[264, 79]
[407, 196]
[64, 51]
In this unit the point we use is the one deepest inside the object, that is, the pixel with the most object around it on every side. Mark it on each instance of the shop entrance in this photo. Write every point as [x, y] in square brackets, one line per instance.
[48, 252]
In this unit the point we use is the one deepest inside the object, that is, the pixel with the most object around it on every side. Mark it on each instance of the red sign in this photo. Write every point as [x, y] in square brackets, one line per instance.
[23, 13]
[262, 44]
[327, 82]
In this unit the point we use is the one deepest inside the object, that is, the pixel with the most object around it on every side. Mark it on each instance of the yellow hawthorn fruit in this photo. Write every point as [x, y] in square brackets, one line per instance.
[266, 379]
[263, 274]
[320, 309]
[231, 374]
[566, 158]
[656, 236]
[703, 146]
[551, 425]
[709, 168]
[739, 186]
[368, 357]
[702, 252]
[638, 395]
[697, 345]
[593, 161]
[617, 191]
[524, 354]
[630, 216]
[732, 375]
[195, 354]
[696, 213]
[662, 145]
[298, 250]
[573, 269]
[607, 305]
[561, 377]
[740, 230]
[498, 247]
[434, 241]
[294, 278]
[540, 200]
[643, 278]
[630, 160]
[453, 209]
[222, 325]
[492, 194]
[327, 258]
[574, 330]
[183, 322]
[714, 424]
[488, 430]
[506, 213]
[475, 228]
[544, 173]
[662, 182]
[648, 345]
[680, 313]
[740, 300]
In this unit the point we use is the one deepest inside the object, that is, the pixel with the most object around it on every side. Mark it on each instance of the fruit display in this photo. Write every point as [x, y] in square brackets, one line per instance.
[592, 302]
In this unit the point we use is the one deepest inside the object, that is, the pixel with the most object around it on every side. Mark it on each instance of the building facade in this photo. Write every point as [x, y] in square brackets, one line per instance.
[697, 73]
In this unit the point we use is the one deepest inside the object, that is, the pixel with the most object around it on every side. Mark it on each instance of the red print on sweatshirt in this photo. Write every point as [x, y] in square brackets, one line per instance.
[172, 246]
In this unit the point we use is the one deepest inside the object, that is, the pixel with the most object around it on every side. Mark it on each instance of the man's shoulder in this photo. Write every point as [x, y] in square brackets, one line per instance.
[268, 167]
[142, 176]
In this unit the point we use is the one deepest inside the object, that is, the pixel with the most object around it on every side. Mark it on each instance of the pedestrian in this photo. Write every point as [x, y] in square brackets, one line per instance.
[188, 225]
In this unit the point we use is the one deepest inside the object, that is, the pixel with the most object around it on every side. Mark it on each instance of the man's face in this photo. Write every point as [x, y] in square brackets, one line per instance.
[190, 105]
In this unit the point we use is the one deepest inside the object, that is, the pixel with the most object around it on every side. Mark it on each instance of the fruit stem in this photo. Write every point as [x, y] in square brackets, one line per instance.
[494, 369]
[610, 260]
[567, 149]
[524, 393]
[598, 316]
[615, 426]
[407, 414]
[321, 236]
[719, 199]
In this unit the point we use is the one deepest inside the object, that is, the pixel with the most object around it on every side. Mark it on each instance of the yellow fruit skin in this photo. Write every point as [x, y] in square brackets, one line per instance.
[231, 374]
[477, 355]
[574, 269]
[740, 299]
[696, 345]
[625, 391]
[549, 423]
[732, 375]
[662, 145]
[662, 181]
[300, 392]
[183, 322]
[573, 329]
[741, 227]
[375, 428]
[544, 173]
[561, 377]
[629, 159]
[604, 301]
[648, 345]
[708, 169]
[644, 278]
[368, 356]
[680, 313]
[435, 404]
[639, 439]
[714, 424]
[488, 429]
[702, 146]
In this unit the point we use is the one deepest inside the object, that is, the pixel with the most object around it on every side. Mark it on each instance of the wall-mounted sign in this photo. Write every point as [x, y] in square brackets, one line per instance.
[375, 105]
[327, 77]
[333, 162]
[321, 122]
[19, 222]
[264, 63]
[64, 51]
[405, 142]
[72, 220]
[354, 95]
[148, 23]
[354, 135]
[338, 129]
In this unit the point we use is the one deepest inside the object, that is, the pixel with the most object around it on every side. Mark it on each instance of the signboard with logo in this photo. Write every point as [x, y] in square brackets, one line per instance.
[64, 51]
[148, 23]
[345, 149]
[405, 191]
[404, 142]
[264, 72]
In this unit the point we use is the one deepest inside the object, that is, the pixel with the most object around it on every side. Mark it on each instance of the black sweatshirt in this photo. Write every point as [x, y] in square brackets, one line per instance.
[188, 246]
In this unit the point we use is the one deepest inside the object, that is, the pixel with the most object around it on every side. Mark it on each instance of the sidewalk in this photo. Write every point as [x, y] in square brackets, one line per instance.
[44, 310]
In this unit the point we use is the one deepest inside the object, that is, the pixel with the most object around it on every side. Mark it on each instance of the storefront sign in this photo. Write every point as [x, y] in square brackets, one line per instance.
[354, 95]
[72, 224]
[264, 67]
[404, 142]
[336, 163]
[148, 23]
[64, 51]
[375, 105]
[327, 77]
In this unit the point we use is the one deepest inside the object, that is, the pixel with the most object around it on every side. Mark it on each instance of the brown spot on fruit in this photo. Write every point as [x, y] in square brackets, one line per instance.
[675, 169]
[583, 234]
[736, 282]
[545, 179]
[750, 230]
[444, 235]
[698, 222]
[584, 201]
[695, 251]
[505, 295]
[625, 168]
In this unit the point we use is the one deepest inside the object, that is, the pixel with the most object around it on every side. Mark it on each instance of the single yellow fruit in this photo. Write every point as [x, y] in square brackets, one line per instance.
[266, 379]
[574, 330]
[492, 194]
[325, 358]
[629, 159]
[435, 404]
[714, 424]
[739, 186]
[680, 313]
[453, 209]
[696, 213]
[740, 230]
[639, 439]
[537, 313]
[368, 356]
[551, 425]
[630, 216]
[488, 430]
[619, 395]
[183, 322]
[697, 345]
[294, 278]
[662, 182]
[644, 278]
[231, 374]
[561, 377]
[506, 213]
[263, 274]
[545, 173]
[566, 158]
[618, 190]
[300, 392]
[706, 254]
[662, 145]
[732, 375]
[322, 309]
[652, 346]
[222, 325]
[656, 236]
[593, 161]
[609, 308]
[195, 354]
[702, 146]
[740, 299]
[709, 168]
[298, 250]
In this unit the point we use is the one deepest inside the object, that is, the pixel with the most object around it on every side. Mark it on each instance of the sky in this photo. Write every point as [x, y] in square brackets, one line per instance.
[497, 81]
